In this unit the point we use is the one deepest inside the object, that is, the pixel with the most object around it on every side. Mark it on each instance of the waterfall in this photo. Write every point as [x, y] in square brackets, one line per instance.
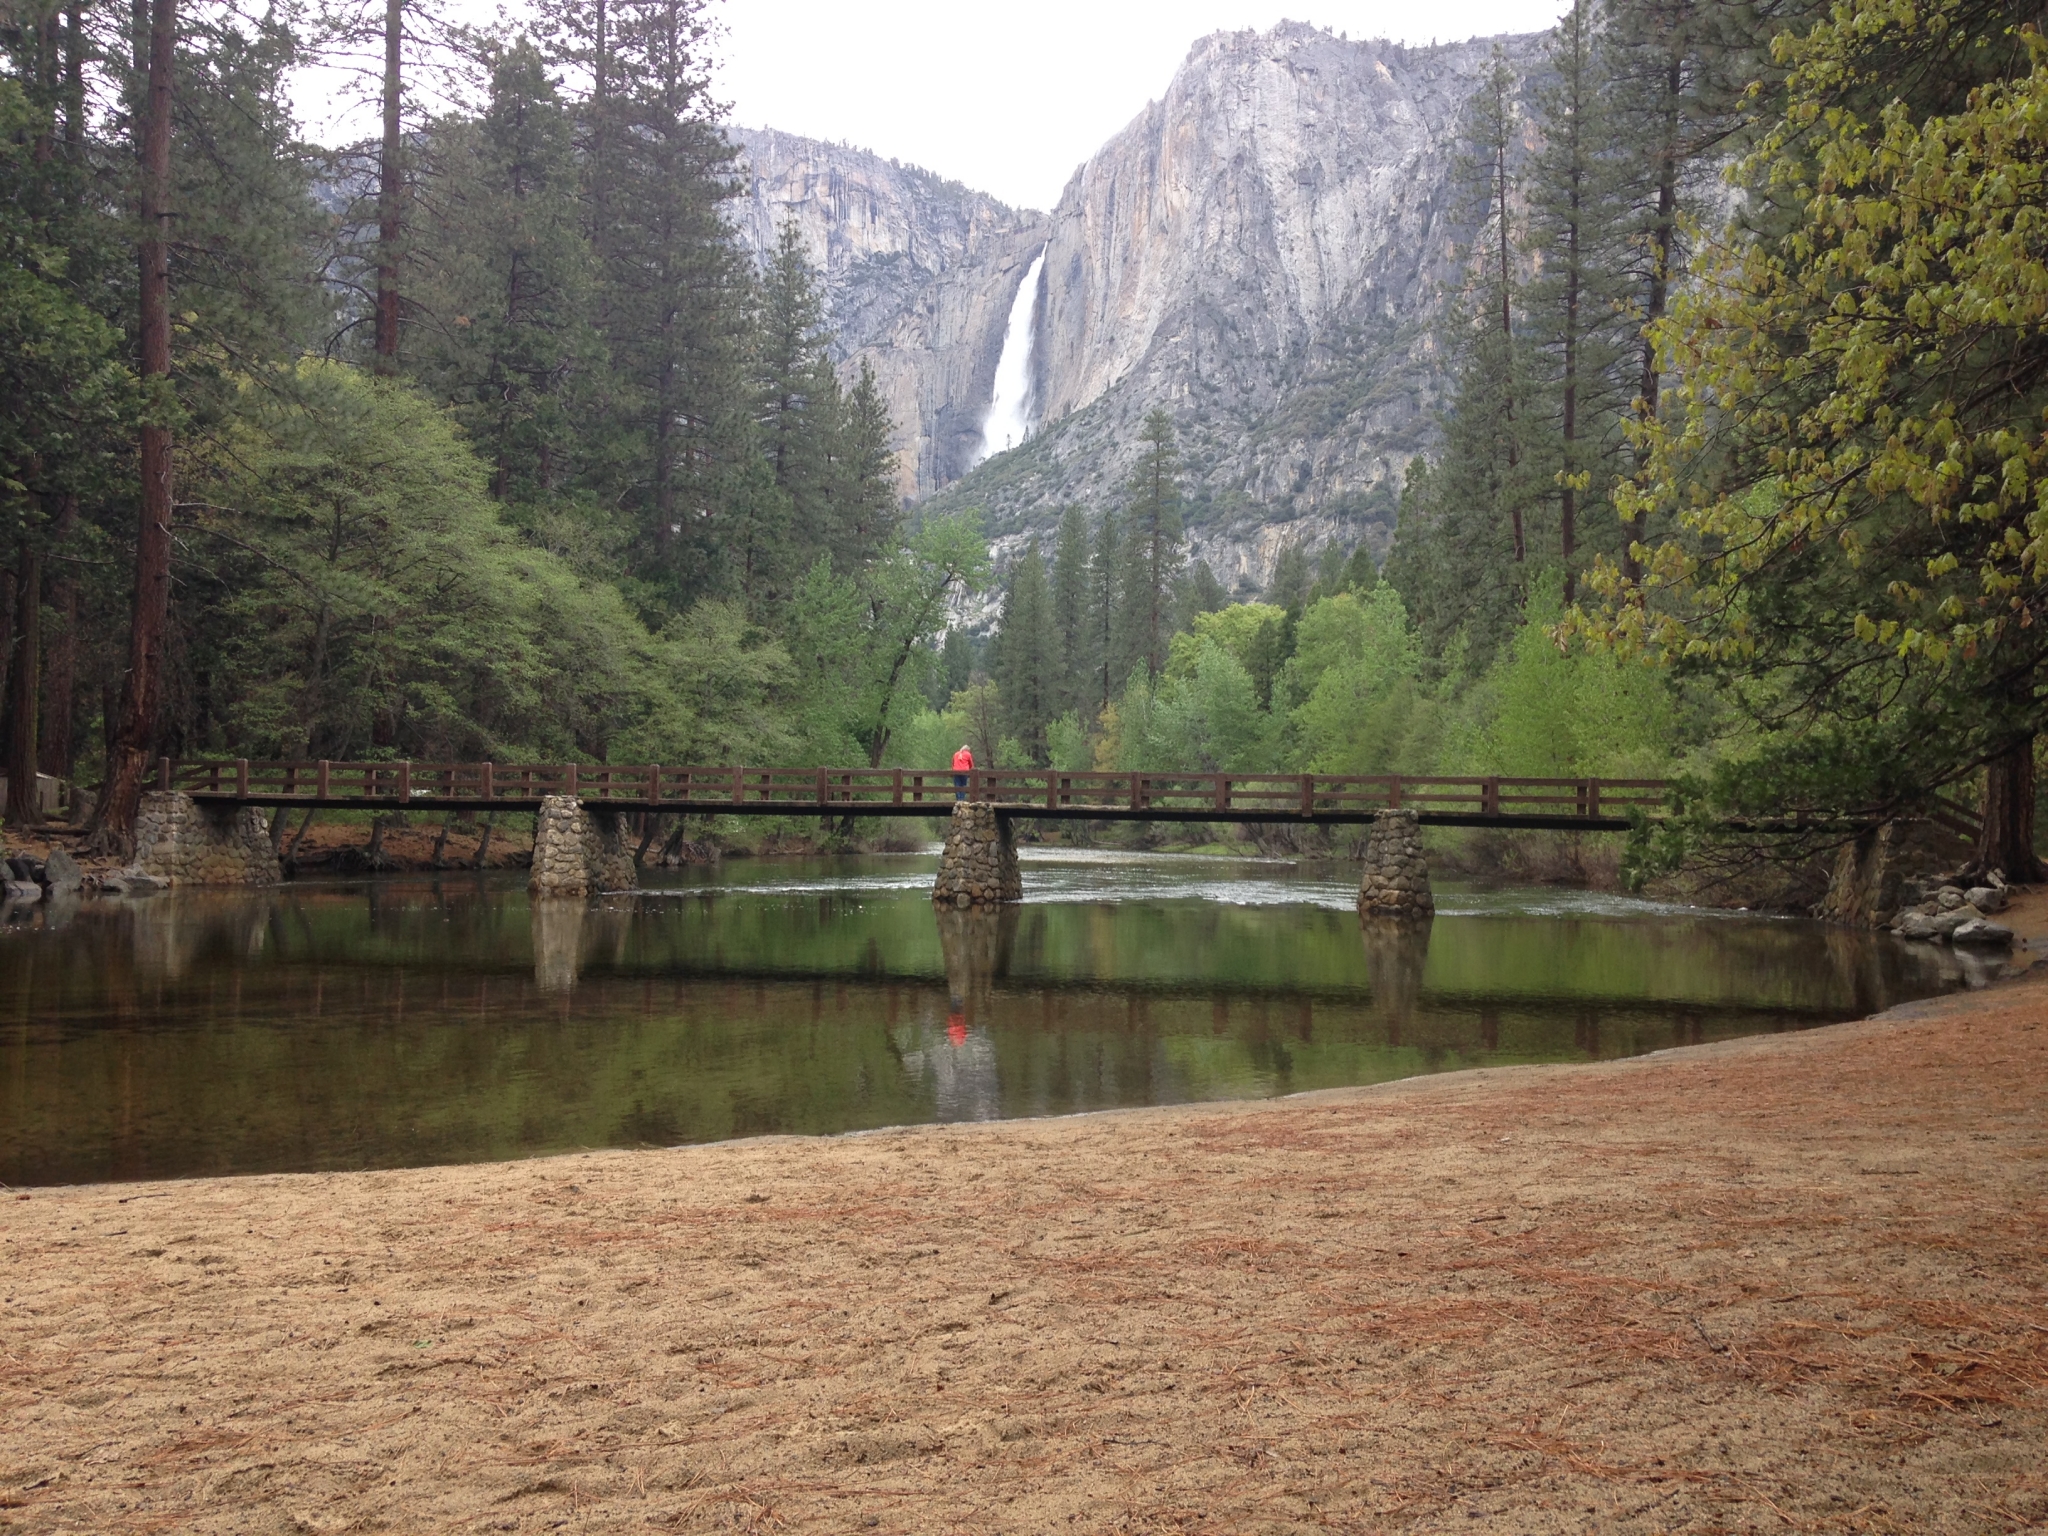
[1009, 414]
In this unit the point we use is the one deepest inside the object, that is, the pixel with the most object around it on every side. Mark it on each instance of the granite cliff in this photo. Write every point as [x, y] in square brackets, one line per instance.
[920, 274]
[1262, 251]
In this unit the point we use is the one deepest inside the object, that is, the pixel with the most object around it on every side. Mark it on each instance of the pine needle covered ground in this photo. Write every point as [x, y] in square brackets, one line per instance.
[1791, 1283]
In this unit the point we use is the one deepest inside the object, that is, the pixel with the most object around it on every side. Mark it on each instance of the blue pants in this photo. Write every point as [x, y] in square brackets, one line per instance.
[959, 786]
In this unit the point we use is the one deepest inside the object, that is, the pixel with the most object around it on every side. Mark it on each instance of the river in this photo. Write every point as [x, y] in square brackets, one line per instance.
[421, 1020]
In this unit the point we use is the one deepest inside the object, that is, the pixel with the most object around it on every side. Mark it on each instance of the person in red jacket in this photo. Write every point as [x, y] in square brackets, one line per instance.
[963, 764]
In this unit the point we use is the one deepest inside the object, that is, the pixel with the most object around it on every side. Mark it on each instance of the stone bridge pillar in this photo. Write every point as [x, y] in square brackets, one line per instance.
[185, 842]
[577, 851]
[979, 866]
[1395, 883]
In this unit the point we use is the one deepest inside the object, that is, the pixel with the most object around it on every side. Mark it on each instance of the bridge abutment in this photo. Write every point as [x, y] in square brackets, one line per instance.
[979, 866]
[577, 851]
[1394, 884]
[180, 840]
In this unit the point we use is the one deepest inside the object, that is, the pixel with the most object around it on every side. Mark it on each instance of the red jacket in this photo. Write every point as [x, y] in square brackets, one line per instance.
[963, 761]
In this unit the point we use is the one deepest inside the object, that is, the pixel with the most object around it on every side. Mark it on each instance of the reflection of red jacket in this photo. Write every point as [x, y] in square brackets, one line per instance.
[963, 761]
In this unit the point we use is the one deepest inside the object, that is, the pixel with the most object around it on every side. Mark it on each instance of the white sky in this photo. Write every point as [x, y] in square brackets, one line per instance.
[1008, 99]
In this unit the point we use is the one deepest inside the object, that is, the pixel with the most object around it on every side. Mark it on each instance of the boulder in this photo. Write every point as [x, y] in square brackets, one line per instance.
[132, 882]
[1949, 897]
[20, 892]
[1986, 898]
[1981, 934]
[61, 873]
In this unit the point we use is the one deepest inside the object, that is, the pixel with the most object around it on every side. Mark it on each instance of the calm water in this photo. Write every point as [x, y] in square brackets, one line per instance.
[420, 1021]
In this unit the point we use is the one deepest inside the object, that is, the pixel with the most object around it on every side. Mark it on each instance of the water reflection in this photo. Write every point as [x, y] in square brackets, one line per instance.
[415, 1021]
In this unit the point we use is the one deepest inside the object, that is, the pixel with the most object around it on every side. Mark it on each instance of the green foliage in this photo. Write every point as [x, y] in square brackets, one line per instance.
[1855, 463]
[371, 600]
[1350, 693]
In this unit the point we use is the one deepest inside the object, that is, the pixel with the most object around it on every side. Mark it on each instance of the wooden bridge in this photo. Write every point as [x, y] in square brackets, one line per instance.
[1578, 805]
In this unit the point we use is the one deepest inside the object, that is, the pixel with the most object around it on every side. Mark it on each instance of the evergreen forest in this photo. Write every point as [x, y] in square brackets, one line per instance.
[482, 438]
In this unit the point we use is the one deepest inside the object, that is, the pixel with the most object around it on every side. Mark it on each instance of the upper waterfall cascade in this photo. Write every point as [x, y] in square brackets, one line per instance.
[1009, 414]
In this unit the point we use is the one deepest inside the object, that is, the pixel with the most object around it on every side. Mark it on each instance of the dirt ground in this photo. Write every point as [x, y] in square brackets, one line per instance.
[1788, 1283]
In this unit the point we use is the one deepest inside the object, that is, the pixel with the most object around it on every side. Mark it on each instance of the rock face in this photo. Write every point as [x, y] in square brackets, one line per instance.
[577, 851]
[184, 842]
[1262, 252]
[920, 274]
[1394, 884]
[979, 865]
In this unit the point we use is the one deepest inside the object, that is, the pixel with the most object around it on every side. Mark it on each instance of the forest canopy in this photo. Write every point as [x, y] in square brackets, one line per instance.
[484, 437]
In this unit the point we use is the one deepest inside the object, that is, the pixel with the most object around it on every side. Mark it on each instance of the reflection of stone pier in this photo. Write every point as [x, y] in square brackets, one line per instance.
[1395, 955]
[979, 866]
[558, 941]
[976, 944]
[1394, 884]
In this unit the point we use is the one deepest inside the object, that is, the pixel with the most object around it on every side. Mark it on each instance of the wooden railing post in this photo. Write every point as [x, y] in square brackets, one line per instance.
[1222, 796]
[1308, 794]
[569, 778]
[824, 795]
[242, 777]
[163, 774]
[1052, 789]
[405, 782]
[320, 779]
[1137, 792]
[896, 787]
[1592, 797]
[739, 786]
[1489, 798]
[1394, 793]
[654, 784]
[487, 782]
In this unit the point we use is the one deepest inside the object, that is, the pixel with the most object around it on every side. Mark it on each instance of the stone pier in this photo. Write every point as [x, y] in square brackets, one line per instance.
[1394, 885]
[578, 851]
[185, 842]
[979, 866]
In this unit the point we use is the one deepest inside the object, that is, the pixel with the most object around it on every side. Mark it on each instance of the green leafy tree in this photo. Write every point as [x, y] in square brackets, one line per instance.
[1854, 457]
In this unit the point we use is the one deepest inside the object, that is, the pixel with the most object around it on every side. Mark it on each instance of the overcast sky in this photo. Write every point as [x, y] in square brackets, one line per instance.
[1006, 98]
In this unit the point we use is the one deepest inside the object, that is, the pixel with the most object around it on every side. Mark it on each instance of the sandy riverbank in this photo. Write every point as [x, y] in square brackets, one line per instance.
[1788, 1283]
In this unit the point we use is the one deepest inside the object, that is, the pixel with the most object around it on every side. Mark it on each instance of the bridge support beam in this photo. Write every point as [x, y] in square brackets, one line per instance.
[577, 851]
[186, 843]
[1394, 885]
[979, 866]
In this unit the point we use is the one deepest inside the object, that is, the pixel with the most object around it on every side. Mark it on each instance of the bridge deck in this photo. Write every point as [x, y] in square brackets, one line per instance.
[1492, 801]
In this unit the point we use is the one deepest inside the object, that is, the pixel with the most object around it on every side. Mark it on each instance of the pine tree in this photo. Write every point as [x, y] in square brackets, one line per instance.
[1025, 661]
[673, 316]
[1577, 317]
[863, 516]
[1152, 543]
[1070, 611]
[1105, 604]
[507, 284]
[799, 395]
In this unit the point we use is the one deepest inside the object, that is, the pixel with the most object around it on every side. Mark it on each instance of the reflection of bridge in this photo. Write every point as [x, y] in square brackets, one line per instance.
[1586, 805]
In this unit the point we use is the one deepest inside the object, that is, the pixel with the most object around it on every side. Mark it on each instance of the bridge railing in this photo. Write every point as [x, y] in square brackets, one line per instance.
[850, 790]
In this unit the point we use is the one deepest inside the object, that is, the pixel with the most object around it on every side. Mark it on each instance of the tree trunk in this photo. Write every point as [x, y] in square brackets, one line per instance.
[60, 672]
[113, 819]
[483, 846]
[24, 707]
[1663, 234]
[2006, 841]
[291, 858]
[390, 190]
